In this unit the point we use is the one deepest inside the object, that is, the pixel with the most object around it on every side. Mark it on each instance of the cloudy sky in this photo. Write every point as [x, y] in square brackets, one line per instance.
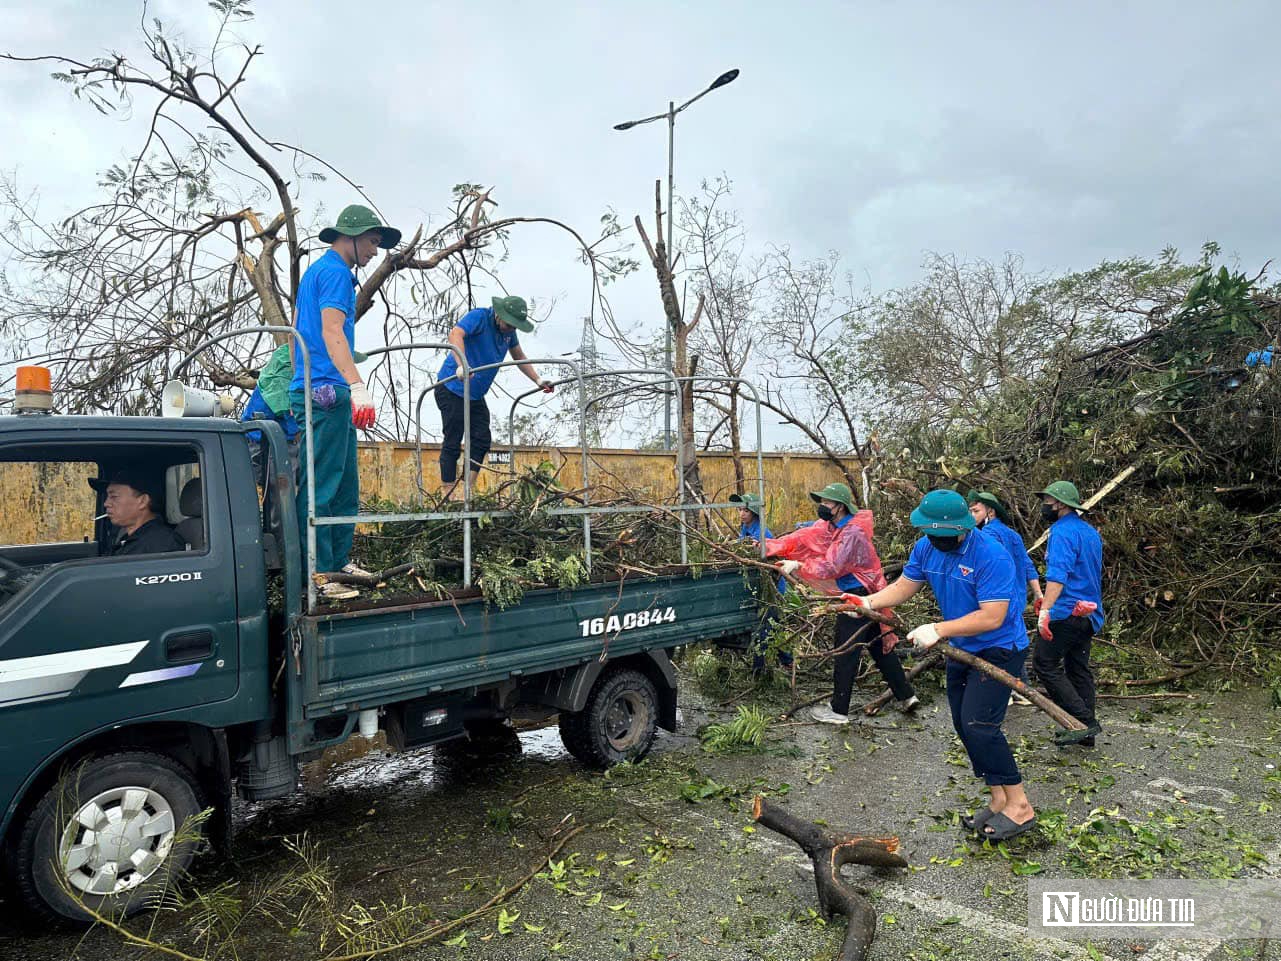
[1066, 133]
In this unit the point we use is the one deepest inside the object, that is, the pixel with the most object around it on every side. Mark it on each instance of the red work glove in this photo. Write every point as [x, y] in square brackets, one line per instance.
[1084, 608]
[363, 414]
[1036, 605]
[1043, 625]
[547, 386]
[854, 602]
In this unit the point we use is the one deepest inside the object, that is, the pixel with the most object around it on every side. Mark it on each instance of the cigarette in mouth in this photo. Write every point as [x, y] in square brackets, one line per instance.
[100, 517]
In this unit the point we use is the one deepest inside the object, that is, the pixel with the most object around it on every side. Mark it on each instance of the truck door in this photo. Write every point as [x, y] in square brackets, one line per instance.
[87, 640]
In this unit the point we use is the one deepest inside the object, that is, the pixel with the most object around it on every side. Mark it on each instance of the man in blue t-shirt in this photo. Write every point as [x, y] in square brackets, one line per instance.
[485, 336]
[982, 601]
[1072, 612]
[325, 315]
[990, 516]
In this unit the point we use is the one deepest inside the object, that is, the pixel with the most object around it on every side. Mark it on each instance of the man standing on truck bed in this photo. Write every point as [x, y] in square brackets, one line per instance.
[485, 336]
[325, 314]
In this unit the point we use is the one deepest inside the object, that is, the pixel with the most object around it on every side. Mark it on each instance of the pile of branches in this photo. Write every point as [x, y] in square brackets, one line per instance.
[524, 545]
[1188, 416]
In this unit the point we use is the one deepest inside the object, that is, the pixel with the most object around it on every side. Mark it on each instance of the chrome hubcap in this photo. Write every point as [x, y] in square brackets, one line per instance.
[117, 841]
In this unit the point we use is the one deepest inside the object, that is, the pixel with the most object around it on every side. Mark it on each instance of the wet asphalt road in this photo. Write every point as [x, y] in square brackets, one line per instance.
[654, 874]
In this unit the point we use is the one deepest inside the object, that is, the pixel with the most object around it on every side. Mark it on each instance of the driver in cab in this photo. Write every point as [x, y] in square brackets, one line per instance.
[130, 506]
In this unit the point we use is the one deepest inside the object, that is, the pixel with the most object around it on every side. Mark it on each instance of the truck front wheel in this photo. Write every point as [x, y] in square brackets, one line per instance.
[618, 722]
[111, 836]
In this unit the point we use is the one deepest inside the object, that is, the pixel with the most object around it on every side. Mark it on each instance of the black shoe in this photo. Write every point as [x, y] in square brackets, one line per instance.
[1078, 737]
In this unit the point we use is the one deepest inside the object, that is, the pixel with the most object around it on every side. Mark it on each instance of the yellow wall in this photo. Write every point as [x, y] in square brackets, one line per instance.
[388, 471]
[43, 503]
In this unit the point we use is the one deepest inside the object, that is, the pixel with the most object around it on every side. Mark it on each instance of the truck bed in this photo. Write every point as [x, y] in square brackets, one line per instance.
[362, 659]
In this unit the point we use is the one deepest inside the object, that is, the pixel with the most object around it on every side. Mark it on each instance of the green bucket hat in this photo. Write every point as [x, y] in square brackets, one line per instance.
[750, 501]
[840, 493]
[1064, 492]
[991, 500]
[513, 312]
[354, 221]
[943, 510]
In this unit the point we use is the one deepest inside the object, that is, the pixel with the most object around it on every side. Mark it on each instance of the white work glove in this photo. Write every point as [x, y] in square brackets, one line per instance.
[788, 567]
[924, 637]
[363, 414]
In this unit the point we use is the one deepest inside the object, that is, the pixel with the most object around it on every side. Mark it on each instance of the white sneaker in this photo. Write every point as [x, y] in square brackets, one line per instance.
[1019, 699]
[338, 592]
[908, 706]
[824, 714]
[358, 571]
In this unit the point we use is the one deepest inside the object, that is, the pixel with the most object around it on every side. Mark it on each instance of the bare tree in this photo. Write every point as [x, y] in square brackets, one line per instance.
[691, 483]
[810, 356]
[729, 282]
[179, 250]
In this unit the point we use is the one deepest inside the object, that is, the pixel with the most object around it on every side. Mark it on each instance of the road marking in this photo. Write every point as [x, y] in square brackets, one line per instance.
[1188, 735]
[1180, 792]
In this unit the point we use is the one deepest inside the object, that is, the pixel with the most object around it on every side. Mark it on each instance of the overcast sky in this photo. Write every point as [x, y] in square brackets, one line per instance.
[1067, 133]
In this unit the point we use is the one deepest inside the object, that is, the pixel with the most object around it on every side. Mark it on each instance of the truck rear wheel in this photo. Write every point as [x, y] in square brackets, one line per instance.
[618, 722]
[112, 836]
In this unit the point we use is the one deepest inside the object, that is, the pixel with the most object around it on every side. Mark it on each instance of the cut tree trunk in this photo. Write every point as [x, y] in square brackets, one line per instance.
[828, 852]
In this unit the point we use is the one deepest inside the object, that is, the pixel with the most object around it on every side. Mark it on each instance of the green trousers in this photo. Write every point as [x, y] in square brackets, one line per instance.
[337, 483]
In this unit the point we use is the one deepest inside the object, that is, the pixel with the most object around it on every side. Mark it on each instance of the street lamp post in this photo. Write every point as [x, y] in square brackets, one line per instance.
[670, 116]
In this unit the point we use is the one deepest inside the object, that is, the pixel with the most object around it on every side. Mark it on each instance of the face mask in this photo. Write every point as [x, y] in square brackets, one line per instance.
[1049, 514]
[945, 544]
[824, 512]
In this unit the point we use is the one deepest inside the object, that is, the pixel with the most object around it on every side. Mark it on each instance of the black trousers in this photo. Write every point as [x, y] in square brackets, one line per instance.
[451, 419]
[1063, 665]
[845, 666]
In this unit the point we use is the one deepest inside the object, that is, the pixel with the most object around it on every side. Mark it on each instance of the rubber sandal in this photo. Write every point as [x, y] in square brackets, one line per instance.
[975, 821]
[1001, 828]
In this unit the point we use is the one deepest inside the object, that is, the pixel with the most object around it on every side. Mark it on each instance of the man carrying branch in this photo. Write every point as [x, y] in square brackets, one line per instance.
[982, 600]
[484, 336]
[325, 315]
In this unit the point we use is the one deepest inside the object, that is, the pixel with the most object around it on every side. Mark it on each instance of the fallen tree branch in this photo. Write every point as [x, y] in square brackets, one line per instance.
[872, 707]
[1056, 713]
[829, 852]
[379, 579]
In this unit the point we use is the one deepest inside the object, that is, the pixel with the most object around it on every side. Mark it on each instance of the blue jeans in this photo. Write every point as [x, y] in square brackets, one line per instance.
[337, 482]
[978, 707]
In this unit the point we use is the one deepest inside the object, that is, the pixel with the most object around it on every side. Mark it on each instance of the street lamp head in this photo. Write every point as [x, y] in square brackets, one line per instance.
[727, 77]
[625, 126]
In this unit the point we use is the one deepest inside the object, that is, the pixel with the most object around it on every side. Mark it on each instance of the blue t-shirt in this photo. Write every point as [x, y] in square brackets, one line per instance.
[1074, 558]
[327, 283]
[979, 572]
[483, 344]
[1010, 540]
[753, 530]
[259, 409]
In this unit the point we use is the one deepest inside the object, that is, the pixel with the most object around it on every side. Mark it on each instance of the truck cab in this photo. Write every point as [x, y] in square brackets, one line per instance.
[137, 692]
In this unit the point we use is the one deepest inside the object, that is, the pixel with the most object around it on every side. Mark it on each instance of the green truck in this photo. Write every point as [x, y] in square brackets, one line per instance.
[138, 691]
